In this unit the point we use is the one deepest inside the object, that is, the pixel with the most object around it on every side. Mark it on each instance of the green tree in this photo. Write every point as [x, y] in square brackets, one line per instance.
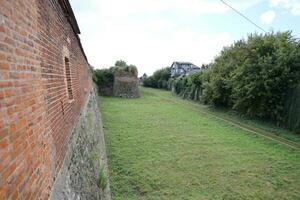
[159, 79]
[120, 63]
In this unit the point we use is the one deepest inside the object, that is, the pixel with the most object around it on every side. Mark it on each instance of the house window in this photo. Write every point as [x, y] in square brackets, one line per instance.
[68, 78]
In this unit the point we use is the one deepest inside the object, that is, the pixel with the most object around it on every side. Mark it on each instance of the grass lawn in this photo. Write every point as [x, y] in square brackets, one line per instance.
[161, 147]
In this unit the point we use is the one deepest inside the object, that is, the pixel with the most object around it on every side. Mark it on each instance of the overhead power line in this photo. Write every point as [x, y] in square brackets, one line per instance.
[241, 14]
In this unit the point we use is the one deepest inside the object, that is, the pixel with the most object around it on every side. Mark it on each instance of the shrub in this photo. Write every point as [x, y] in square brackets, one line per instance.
[104, 79]
[159, 79]
[102, 179]
[252, 76]
[130, 70]
[120, 63]
[270, 68]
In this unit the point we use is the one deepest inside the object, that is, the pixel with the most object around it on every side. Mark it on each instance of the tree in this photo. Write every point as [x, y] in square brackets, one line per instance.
[159, 79]
[120, 63]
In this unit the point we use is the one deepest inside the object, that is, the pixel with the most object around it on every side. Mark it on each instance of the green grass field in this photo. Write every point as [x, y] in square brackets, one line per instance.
[162, 147]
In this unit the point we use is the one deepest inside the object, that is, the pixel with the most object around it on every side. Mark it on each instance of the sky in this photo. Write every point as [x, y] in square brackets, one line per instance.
[152, 34]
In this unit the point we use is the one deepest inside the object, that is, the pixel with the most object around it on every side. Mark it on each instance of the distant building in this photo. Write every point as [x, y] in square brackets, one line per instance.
[183, 68]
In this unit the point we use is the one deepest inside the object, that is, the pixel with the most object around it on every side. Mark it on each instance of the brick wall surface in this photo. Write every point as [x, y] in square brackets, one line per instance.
[36, 114]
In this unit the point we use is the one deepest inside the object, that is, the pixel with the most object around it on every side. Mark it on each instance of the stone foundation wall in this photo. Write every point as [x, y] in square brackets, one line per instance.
[85, 156]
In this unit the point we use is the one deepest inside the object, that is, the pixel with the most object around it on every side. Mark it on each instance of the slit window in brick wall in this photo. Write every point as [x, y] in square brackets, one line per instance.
[68, 78]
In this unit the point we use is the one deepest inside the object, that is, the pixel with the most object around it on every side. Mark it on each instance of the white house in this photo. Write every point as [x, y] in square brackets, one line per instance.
[183, 68]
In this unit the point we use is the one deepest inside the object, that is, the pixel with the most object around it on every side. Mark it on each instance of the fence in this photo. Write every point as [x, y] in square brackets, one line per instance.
[293, 109]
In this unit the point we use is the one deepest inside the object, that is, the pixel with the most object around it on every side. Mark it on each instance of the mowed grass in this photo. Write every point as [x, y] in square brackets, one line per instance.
[160, 147]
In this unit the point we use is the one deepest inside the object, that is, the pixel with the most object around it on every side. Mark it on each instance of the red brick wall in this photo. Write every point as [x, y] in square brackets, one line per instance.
[36, 116]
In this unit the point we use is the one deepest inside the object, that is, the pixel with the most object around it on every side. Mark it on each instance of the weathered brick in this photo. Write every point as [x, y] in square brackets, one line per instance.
[9, 41]
[36, 115]
[2, 95]
[2, 56]
[5, 159]
[3, 191]
[4, 66]
[2, 123]
[6, 84]
[3, 133]
[10, 102]
[10, 110]
[15, 196]
[3, 143]
[2, 29]
[9, 170]
[9, 92]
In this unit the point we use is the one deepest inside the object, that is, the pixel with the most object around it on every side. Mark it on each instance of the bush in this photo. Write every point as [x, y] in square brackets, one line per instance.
[271, 68]
[130, 70]
[104, 79]
[159, 79]
[189, 86]
[120, 63]
[251, 76]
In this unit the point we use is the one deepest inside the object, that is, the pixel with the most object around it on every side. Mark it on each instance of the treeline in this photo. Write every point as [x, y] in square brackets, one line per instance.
[254, 77]
[159, 79]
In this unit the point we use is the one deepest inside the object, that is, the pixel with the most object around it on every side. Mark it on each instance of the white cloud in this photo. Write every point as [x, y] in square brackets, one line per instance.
[268, 17]
[292, 5]
[146, 33]
[276, 2]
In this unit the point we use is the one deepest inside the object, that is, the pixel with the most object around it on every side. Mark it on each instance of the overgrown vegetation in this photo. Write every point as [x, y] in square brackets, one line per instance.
[159, 79]
[252, 76]
[162, 147]
[95, 154]
[130, 70]
[104, 78]
[188, 86]
[102, 179]
[122, 69]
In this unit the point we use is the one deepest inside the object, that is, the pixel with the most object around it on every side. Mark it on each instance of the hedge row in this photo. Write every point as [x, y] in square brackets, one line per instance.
[159, 79]
[254, 77]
